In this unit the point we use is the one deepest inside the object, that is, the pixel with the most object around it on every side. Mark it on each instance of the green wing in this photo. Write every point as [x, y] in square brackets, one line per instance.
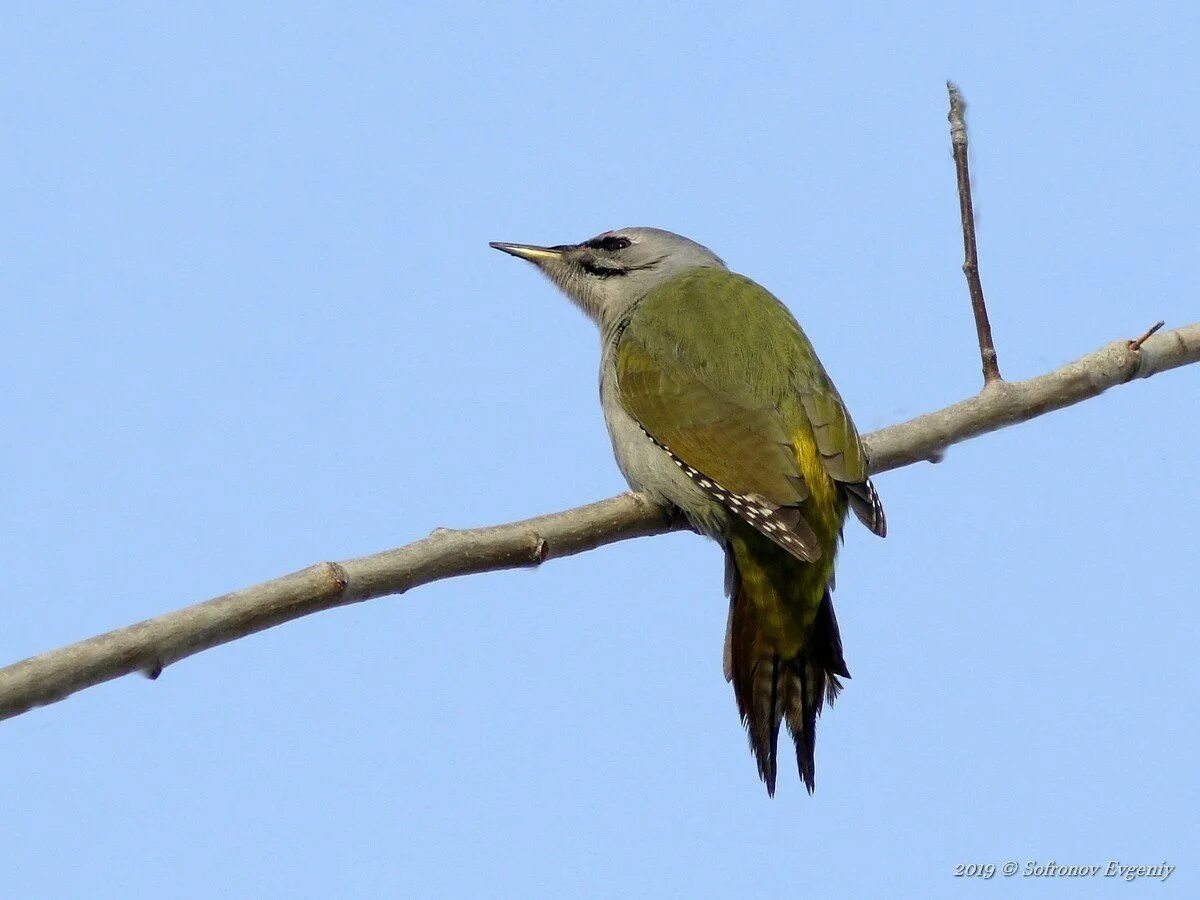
[718, 372]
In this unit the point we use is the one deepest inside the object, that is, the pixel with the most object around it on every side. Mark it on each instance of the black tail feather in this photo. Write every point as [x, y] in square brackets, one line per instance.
[760, 702]
[825, 642]
[806, 687]
[771, 690]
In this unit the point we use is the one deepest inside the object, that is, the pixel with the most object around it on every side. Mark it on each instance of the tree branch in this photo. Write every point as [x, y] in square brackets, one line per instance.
[1004, 403]
[966, 209]
[151, 645]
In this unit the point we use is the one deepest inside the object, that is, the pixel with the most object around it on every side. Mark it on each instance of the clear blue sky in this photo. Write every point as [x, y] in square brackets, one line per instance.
[252, 322]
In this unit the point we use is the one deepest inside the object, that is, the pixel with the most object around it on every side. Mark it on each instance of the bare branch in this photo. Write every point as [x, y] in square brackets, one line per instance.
[151, 645]
[1005, 403]
[958, 140]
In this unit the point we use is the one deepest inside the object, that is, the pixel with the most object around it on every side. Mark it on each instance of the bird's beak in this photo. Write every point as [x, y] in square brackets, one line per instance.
[530, 252]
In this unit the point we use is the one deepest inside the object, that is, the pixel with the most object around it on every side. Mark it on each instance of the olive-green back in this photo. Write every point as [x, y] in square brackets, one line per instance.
[718, 370]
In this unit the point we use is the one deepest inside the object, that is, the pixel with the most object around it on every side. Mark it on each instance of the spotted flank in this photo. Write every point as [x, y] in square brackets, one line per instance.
[782, 524]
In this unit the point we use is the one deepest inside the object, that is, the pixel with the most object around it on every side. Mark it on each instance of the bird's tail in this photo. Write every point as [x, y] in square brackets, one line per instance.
[784, 664]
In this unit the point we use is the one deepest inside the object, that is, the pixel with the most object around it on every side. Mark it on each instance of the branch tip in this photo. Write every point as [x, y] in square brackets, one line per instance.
[957, 115]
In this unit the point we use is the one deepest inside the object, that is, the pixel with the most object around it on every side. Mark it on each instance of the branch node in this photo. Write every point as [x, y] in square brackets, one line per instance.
[540, 552]
[338, 574]
[153, 671]
[1136, 344]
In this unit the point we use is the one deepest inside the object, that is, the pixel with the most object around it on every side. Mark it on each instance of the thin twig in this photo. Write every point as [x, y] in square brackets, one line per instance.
[156, 643]
[1136, 344]
[958, 140]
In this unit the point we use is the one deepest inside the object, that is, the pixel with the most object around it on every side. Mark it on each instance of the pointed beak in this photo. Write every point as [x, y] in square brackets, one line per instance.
[530, 252]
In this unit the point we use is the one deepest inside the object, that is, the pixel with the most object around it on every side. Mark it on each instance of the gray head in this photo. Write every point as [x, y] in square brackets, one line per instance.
[607, 274]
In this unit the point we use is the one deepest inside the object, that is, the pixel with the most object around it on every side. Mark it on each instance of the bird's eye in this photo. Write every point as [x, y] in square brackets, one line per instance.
[611, 243]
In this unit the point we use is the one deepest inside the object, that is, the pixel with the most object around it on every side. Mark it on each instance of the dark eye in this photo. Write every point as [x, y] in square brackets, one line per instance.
[612, 243]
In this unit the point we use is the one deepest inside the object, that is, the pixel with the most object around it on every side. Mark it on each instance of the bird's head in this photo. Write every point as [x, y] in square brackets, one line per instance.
[607, 274]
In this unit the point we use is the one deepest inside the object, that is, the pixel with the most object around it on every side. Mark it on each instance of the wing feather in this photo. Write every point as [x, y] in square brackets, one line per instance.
[699, 365]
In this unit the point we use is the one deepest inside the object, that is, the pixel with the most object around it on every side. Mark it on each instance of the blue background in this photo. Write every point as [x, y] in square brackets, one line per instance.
[251, 322]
